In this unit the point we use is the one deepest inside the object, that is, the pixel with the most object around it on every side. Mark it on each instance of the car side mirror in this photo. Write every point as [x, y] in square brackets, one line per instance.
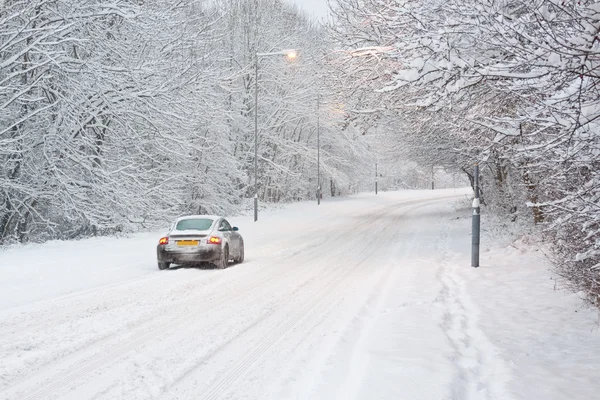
[235, 229]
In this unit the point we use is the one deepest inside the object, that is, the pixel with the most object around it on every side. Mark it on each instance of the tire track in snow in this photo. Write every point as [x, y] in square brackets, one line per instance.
[359, 360]
[114, 303]
[340, 247]
[355, 327]
[325, 295]
[16, 319]
[141, 333]
[220, 389]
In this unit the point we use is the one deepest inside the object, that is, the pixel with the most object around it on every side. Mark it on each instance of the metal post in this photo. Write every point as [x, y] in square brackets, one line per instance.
[291, 54]
[256, 138]
[476, 222]
[318, 150]
[476, 181]
[376, 178]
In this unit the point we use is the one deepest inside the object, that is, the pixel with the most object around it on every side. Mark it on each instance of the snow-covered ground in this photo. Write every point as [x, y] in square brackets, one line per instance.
[369, 297]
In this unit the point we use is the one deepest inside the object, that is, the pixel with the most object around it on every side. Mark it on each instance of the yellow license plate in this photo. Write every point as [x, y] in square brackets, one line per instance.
[187, 243]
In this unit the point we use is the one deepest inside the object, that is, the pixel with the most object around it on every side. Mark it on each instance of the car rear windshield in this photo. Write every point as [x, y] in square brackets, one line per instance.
[194, 224]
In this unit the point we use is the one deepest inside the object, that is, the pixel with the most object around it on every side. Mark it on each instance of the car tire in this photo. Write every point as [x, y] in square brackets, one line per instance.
[224, 260]
[240, 257]
[163, 265]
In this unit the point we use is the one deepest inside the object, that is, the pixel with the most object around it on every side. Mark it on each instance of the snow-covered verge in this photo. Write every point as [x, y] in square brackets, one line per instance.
[549, 338]
[361, 298]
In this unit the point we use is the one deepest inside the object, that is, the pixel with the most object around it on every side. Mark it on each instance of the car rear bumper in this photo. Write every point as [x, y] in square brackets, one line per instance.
[188, 256]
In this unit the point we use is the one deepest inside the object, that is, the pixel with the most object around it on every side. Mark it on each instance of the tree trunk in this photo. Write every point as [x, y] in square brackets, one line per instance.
[538, 215]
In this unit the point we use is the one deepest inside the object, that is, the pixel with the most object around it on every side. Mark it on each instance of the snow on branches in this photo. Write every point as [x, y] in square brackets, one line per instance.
[116, 115]
[512, 85]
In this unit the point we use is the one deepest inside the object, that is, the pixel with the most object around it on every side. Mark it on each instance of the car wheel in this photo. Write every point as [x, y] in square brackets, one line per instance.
[224, 260]
[163, 265]
[240, 257]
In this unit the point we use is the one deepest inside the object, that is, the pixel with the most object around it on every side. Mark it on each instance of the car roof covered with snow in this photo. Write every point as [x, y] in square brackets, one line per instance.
[213, 217]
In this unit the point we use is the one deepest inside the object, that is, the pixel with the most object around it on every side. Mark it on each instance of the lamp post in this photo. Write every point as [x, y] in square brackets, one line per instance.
[376, 178]
[318, 149]
[290, 54]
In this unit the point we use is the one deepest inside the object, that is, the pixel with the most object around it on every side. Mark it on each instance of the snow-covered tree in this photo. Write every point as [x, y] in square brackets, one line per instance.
[510, 85]
[115, 115]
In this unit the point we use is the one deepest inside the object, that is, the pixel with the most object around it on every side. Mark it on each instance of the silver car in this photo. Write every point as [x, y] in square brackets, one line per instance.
[197, 239]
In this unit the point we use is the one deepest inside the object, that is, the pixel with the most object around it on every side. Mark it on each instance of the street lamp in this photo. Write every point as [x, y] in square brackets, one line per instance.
[376, 177]
[291, 54]
[318, 149]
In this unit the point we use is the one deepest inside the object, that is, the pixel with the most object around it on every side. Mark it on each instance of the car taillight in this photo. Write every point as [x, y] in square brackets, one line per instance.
[164, 240]
[214, 240]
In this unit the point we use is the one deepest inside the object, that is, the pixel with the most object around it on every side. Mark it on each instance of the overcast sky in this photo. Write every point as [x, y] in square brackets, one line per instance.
[317, 7]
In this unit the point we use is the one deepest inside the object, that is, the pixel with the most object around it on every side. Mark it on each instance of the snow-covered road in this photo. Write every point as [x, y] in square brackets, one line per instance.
[362, 298]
